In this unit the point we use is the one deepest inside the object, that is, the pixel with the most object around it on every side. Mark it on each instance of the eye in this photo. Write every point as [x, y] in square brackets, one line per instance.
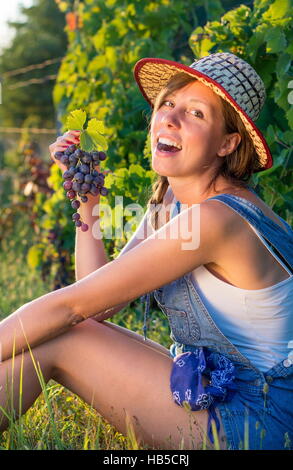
[167, 103]
[197, 113]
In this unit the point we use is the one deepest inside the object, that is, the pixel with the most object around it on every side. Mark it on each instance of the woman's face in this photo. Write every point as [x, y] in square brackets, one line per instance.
[192, 119]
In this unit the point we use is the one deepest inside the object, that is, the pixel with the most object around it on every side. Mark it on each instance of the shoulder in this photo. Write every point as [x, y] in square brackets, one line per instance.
[218, 224]
[217, 215]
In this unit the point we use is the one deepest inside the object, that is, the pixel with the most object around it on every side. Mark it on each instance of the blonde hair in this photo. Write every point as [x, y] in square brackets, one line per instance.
[237, 167]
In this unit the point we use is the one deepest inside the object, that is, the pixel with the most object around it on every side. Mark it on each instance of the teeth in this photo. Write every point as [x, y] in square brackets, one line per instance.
[164, 140]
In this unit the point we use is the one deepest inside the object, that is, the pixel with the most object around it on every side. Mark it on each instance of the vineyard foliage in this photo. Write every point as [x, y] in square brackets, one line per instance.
[106, 38]
[21, 100]
[263, 36]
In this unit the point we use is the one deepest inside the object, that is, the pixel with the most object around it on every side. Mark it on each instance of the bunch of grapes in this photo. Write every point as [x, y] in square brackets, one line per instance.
[81, 177]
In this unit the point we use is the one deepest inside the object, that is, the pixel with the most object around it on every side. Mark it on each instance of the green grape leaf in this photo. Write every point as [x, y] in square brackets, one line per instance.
[96, 126]
[278, 9]
[86, 142]
[91, 138]
[95, 129]
[276, 41]
[100, 143]
[76, 120]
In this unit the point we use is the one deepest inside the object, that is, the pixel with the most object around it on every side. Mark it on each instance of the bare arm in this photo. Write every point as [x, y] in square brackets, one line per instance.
[90, 252]
[142, 232]
[156, 261]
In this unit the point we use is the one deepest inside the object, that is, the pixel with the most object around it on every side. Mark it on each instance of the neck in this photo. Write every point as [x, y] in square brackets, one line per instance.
[191, 192]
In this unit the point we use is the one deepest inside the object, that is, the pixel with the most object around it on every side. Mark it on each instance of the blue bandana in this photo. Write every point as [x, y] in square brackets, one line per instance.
[186, 382]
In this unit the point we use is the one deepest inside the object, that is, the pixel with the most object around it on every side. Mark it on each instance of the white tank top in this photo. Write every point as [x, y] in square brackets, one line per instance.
[258, 322]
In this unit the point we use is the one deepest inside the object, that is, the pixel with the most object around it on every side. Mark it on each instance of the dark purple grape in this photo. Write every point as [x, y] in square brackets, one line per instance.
[75, 204]
[99, 181]
[102, 156]
[64, 159]
[87, 158]
[84, 199]
[76, 216]
[78, 223]
[78, 153]
[71, 171]
[84, 227]
[94, 190]
[84, 169]
[76, 186]
[95, 173]
[58, 155]
[85, 187]
[79, 177]
[73, 160]
[104, 191]
[67, 175]
[88, 178]
[67, 185]
[71, 194]
[95, 156]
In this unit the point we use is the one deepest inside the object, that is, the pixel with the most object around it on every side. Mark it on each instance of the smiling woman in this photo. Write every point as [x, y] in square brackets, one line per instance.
[230, 321]
[239, 163]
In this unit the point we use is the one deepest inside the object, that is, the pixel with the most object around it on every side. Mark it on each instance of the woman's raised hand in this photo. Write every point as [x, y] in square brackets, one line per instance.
[61, 144]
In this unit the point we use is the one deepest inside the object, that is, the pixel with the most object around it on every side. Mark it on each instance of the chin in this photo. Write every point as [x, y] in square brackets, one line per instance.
[157, 168]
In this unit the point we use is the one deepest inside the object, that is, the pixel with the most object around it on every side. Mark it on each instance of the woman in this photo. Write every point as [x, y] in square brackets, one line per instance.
[230, 321]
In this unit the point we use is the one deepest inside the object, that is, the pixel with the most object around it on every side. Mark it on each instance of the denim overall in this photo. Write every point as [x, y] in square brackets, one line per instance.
[260, 414]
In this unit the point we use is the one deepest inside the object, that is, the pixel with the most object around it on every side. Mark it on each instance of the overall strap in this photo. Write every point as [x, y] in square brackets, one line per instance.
[277, 237]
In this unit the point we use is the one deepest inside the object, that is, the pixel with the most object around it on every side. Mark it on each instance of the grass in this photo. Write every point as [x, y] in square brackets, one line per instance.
[18, 283]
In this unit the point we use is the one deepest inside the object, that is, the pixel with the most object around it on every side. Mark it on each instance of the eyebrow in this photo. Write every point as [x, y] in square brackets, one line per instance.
[196, 101]
[200, 101]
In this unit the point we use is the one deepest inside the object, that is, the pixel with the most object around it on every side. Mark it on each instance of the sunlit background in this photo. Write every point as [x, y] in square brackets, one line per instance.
[10, 11]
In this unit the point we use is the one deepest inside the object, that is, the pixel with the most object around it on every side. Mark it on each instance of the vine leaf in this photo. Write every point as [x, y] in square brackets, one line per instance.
[76, 120]
[91, 138]
[96, 126]
[95, 129]
[86, 142]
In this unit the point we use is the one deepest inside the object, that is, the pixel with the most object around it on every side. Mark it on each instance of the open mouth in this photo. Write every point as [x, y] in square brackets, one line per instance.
[167, 148]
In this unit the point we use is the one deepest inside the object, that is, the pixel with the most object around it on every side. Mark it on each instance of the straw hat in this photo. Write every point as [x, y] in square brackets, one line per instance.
[227, 75]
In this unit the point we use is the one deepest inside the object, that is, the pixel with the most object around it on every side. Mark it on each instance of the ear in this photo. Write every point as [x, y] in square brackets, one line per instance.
[229, 144]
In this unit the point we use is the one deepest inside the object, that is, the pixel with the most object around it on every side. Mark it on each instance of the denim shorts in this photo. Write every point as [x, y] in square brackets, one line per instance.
[260, 414]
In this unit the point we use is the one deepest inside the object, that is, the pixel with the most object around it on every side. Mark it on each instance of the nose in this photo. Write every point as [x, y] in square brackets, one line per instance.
[171, 118]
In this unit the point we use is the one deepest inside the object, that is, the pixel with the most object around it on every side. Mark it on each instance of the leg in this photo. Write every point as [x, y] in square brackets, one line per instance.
[117, 372]
[120, 374]
[10, 372]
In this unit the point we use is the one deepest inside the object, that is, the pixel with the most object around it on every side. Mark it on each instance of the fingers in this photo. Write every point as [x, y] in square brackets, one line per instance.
[63, 141]
[68, 138]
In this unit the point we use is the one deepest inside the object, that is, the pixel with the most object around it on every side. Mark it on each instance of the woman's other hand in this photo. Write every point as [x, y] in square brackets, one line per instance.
[61, 144]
